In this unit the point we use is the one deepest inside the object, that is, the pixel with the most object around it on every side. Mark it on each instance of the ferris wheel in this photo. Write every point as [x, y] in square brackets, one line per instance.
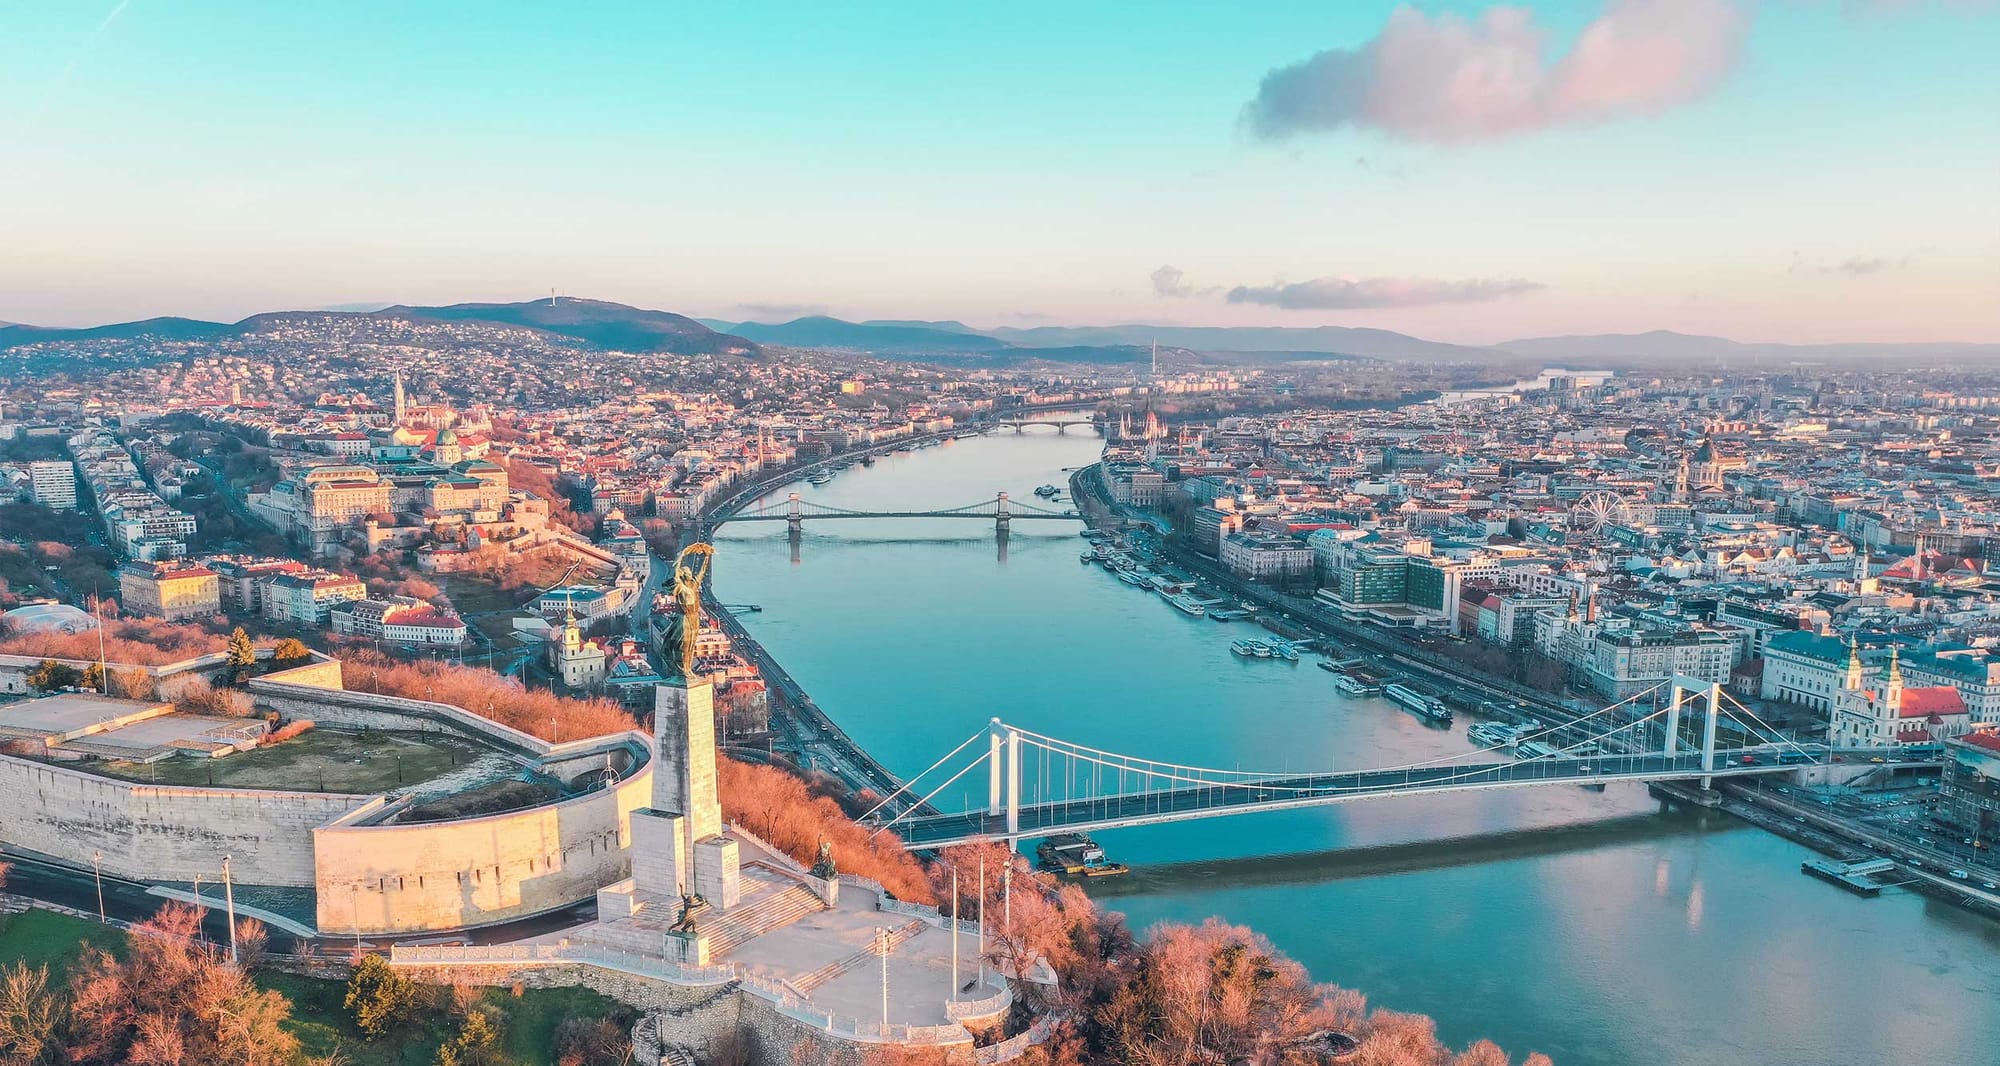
[1594, 512]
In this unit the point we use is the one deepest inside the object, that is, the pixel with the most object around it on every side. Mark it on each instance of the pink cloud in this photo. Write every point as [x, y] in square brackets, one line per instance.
[1448, 78]
[1351, 294]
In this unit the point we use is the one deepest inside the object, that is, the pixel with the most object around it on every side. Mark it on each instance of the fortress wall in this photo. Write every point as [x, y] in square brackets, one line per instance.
[164, 833]
[331, 705]
[476, 871]
[14, 669]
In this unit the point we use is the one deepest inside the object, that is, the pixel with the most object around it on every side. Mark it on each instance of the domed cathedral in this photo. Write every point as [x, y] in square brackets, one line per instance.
[446, 451]
[1705, 468]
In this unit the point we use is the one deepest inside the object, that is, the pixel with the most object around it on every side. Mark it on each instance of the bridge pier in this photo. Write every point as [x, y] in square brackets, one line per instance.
[1710, 695]
[1013, 786]
[794, 515]
[994, 737]
[1000, 514]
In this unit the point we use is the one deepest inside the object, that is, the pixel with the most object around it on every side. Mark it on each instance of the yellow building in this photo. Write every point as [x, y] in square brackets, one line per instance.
[171, 589]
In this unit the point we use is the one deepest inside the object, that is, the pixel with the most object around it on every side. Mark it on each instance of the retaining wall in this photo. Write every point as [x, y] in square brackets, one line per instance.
[162, 832]
[476, 871]
[14, 669]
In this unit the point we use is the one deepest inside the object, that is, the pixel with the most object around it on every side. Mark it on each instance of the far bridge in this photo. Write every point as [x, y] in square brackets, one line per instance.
[1039, 785]
[999, 510]
[1058, 423]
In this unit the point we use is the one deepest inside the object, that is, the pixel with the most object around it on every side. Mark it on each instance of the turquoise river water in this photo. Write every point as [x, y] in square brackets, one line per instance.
[1587, 925]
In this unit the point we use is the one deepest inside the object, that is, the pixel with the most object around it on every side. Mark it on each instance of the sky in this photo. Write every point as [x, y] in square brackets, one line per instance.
[1790, 170]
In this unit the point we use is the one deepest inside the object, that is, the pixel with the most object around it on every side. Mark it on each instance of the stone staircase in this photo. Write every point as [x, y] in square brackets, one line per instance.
[814, 980]
[774, 910]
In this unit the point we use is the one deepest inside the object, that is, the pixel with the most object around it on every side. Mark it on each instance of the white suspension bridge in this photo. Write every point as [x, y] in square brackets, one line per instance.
[1037, 784]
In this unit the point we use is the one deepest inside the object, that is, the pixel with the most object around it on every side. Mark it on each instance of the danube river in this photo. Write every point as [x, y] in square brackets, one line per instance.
[1587, 925]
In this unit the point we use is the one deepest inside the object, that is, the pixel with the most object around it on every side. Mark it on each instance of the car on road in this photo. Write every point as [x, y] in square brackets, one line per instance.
[1960, 875]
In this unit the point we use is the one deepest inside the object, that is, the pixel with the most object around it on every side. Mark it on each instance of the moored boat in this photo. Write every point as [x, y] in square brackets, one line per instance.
[1425, 707]
[1076, 855]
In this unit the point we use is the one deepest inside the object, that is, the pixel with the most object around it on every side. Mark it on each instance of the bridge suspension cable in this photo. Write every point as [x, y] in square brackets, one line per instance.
[1086, 767]
[907, 785]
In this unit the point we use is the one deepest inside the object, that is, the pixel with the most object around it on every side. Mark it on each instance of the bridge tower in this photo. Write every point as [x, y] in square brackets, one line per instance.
[1000, 514]
[794, 514]
[1706, 697]
[1003, 775]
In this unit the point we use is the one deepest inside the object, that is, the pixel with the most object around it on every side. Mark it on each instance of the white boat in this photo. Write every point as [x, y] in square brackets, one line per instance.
[1131, 577]
[1251, 648]
[1353, 686]
[1425, 706]
[821, 478]
[1188, 604]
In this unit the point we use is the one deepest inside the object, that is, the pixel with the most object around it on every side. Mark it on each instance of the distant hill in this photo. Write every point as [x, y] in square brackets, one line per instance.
[595, 322]
[172, 329]
[1338, 340]
[598, 322]
[819, 331]
[947, 326]
[1666, 345]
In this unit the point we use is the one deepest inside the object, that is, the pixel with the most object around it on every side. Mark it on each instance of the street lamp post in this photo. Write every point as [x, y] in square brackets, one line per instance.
[229, 901]
[97, 874]
[882, 948]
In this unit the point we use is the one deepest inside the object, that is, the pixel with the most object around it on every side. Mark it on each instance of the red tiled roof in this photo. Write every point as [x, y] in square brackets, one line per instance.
[1932, 699]
[1985, 738]
[1913, 736]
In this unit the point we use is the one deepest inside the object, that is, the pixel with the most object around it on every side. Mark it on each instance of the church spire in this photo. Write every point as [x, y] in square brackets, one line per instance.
[1854, 674]
[1895, 694]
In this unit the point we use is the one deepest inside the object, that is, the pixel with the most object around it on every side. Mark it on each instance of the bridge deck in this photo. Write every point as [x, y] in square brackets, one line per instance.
[820, 516]
[1280, 793]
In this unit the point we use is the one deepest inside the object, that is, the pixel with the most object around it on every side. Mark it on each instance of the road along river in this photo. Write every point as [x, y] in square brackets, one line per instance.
[1587, 925]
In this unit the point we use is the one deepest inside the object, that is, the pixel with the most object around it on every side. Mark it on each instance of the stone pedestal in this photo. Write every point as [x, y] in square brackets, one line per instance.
[659, 853]
[717, 874]
[678, 846]
[684, 732]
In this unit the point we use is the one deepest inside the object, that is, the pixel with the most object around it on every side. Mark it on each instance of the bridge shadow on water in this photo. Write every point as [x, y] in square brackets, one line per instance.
[1383, 860]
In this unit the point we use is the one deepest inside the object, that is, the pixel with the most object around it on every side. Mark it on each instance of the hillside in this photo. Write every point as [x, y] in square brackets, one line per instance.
[595, 322]
[598, 322]
[1666, 345]
[1339, 340]
[167, 329]
[819, 331]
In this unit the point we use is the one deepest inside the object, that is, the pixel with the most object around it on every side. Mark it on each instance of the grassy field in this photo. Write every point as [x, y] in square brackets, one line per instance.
[319, 1018]
[326, 760]
[41, 938]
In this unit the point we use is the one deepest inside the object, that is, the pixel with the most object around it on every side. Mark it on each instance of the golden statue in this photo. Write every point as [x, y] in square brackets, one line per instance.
[684, 625]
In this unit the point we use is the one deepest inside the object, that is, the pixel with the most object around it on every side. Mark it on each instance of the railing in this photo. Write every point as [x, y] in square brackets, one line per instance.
[1015, 1046]
[919, 911]
[556, 955]
[961, 1009]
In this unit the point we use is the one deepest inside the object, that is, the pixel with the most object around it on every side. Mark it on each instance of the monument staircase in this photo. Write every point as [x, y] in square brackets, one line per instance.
[808, 982]
[728, 930]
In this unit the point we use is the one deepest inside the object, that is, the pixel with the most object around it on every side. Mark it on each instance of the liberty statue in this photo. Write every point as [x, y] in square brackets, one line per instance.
[684, 624]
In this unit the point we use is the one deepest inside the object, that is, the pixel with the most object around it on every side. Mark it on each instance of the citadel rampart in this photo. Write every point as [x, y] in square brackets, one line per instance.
[371, 874]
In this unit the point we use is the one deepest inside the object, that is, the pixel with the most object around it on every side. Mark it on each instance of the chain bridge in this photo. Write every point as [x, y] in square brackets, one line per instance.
[998, 510]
